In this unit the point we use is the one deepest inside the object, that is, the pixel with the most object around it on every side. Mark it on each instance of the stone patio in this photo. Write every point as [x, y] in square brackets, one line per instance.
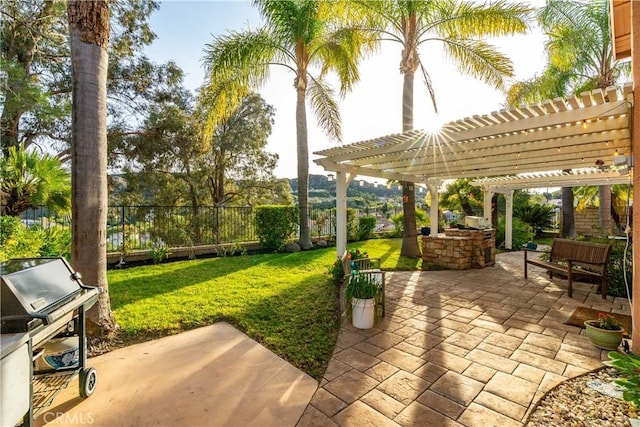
[459, 348]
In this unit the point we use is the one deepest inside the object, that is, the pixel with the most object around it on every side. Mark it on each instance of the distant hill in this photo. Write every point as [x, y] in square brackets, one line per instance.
[355, 189]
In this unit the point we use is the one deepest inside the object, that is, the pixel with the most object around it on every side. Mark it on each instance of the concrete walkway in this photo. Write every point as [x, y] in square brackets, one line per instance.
[211, 376]
[459, 348]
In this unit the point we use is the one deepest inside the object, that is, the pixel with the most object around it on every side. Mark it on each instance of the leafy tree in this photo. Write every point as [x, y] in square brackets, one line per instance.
[35, 59]
[460, 27]
[580, 58]
[89, 37]
[239, 165]
[168, 150]
[302, 36]
[30, 179]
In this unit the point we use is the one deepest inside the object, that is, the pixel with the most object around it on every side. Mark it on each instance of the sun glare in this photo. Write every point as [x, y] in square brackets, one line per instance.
[432, 124]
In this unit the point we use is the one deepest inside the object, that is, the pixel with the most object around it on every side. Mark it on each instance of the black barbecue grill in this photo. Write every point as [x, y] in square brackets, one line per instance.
[43, 300]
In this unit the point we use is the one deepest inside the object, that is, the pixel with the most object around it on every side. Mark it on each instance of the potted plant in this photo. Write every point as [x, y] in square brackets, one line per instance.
[360, 293]
[605, 332]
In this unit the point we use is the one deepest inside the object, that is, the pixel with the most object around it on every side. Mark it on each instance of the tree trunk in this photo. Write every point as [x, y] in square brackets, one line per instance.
[568, 220]
[303, 170]
[89, 35]
[410, 247]
[494, 211]
[604, 208]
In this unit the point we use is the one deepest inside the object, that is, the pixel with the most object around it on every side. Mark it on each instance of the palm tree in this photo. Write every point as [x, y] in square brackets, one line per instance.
[30, 179]
[590, 195]
[304, 37]
[89, 35]
[461, 196]
[580, 58]
[460, 27]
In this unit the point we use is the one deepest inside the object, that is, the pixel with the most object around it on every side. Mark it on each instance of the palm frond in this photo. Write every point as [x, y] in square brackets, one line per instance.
[322, 99]
[473, 20]
[341, 52]
[480, 60]
[235, 64]
[429, 85]
[552, 83]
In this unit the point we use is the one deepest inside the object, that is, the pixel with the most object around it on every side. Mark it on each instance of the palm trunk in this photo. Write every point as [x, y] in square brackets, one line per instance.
[303, 170]
[89, 35]
[604, 208]
[410, 247]
[568, 220]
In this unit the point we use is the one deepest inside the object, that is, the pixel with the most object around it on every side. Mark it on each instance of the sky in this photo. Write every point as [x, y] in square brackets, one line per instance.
[372, 109]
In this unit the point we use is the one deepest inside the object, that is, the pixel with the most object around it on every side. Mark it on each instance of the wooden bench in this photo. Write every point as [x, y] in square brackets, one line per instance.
[572, 258]
[370, 267]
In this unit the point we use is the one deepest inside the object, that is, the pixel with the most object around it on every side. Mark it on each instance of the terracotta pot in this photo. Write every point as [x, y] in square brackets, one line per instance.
[603, 338]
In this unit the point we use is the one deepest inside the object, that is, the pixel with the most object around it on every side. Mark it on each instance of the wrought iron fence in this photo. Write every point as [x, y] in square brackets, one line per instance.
[140, 227]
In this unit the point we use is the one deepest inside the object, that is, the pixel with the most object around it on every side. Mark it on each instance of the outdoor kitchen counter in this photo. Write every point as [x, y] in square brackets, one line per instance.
[460, 249]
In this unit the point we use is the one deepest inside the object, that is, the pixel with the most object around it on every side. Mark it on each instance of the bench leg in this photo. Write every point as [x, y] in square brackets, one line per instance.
[603, 288]
[525, 263]
[570, 279]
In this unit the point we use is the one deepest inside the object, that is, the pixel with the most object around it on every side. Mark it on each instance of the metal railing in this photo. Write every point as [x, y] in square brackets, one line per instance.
[141, 227]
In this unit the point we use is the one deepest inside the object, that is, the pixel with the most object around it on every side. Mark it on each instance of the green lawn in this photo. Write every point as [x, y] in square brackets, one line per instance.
[284, 301]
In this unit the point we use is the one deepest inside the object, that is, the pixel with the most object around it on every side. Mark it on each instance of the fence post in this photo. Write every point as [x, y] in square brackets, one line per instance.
[124, 228]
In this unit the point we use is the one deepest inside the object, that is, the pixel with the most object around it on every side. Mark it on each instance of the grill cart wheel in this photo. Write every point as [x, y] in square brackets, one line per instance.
[88, 381]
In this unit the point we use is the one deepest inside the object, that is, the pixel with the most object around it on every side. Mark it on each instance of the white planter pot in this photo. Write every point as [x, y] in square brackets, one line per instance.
[363, 313]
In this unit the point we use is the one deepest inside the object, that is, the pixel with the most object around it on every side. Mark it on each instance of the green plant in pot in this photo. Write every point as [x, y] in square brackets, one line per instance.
[604, 332]
[360, 293]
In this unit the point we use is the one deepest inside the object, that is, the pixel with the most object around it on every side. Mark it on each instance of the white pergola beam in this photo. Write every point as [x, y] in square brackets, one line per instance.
[616, 128]
[607, 140]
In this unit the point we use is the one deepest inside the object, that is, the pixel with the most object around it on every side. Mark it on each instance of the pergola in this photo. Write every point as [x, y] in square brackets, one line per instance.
[584, 139]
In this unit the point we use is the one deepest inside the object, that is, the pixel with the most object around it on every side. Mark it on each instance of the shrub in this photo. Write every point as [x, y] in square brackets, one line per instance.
[56, 241]
[159, 252]
[276, 225]
[336, 271]
[422, 220]
[536, 215]
[620, 265]
[628, 365]
[521, 233]
[18, 241]
[366, 225]
[620, 269]
[352, 225]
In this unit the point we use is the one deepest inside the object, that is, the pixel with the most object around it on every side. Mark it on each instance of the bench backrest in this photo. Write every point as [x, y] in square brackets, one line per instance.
[580, 252]
[361, 264]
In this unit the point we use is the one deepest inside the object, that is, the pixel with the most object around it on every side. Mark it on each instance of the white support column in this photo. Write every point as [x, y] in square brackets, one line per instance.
[433, 185]
[508, 224]
[488, 195]
[342, 182]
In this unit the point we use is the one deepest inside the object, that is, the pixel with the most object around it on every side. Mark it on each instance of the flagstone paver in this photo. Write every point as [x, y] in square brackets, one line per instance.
[459, 348]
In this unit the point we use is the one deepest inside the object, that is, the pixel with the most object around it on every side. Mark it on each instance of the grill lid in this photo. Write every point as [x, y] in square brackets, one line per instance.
[33, 287]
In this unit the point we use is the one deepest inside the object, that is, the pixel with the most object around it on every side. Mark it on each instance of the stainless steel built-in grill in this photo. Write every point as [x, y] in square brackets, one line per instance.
[41, 300]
